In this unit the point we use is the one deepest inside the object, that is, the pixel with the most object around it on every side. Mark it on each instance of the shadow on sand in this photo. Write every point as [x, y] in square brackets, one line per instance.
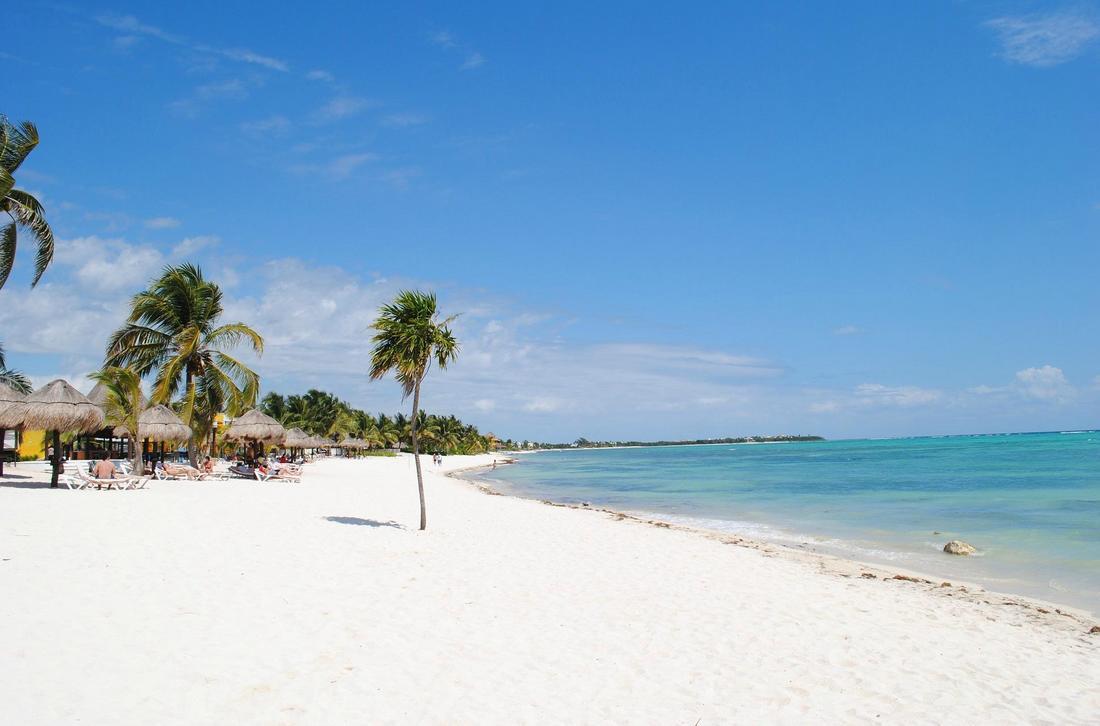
[16, 481]
[365, 522]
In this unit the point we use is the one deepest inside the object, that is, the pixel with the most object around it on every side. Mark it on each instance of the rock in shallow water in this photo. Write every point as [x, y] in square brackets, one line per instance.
[958, 547]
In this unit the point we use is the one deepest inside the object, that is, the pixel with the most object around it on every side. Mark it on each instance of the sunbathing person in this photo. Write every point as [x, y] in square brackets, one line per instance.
[103, 469]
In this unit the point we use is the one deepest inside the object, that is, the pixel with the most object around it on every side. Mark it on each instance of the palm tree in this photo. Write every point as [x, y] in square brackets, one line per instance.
[12, 379]
[387, 430]
[124, 405]
[173, 330]
[16, 143]
[409, 338]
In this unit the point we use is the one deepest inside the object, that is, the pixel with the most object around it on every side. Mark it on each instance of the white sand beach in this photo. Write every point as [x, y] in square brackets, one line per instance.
[320, 603]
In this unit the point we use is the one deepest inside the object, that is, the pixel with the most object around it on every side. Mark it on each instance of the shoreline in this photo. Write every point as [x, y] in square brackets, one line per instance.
[829, 563]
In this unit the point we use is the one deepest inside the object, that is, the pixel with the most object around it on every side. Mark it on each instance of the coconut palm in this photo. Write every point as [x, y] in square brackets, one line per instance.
[13, 379]
[410, 336]
[16, 143]
[173, 332]
[387, 430]
[124, 405]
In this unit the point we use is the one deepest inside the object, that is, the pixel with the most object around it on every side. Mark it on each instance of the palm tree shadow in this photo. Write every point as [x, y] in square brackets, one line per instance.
[365, 522]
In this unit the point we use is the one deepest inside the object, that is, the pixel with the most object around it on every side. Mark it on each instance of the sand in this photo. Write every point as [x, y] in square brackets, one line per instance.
[320, 603]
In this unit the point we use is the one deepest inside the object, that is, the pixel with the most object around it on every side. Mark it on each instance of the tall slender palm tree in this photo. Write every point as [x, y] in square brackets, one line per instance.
[124, 405]
[16, 143]
[173, 331]
[409, 337]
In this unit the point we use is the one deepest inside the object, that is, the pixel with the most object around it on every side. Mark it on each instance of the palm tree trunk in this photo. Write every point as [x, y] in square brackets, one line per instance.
[416, 458]
[56, 458]
[135, 456]
[194, 444]
[3, 438]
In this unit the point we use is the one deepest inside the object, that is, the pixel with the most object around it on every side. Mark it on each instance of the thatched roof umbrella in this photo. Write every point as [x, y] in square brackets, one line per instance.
[319, 442]
[159, 423]
[297, 439]
[255, 427]
[58, 407]
[11, 416]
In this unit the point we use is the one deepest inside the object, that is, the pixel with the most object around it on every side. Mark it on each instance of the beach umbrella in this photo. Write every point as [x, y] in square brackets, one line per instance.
[9, 398]
[159, 423]
[58, 407]
[296, 439]
[255, 427]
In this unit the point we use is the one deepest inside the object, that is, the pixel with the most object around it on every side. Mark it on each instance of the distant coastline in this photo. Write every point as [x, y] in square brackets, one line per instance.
[583, 443]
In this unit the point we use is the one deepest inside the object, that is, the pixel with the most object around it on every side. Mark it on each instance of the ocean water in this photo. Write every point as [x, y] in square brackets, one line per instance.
[1029, 502]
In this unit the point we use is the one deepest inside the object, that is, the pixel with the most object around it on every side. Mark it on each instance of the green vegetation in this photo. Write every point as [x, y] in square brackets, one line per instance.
[12, 379]
[410, 336]
[583, 443]
[323, 414]
[16, 143]
[124, 405]
[173, 331]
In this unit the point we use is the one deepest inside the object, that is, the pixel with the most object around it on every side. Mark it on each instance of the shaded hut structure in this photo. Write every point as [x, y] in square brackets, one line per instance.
[158, 424]
[255, 428]
[351, 444]
[93, 444]
[59, 408]
[296, 439]
[11, 416]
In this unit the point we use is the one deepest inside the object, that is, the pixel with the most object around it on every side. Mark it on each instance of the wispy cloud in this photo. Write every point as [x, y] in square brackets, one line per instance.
[276, 125]
[321, 75]
[1045, 40]
[448, 41]
[131, 26]
[162, 223]
[473, 60]
[848, 330]
[403, 120]
[336, 169]
[342, 107]
[233, 89]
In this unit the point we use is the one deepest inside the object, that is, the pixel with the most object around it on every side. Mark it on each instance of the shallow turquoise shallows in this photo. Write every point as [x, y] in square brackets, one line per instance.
[1030, 503]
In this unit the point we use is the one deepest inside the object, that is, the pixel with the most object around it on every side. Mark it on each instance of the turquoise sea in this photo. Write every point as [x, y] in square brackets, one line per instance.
[1029, 502]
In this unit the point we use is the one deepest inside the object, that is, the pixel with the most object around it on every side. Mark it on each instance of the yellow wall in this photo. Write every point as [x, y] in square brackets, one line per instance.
[33, 444]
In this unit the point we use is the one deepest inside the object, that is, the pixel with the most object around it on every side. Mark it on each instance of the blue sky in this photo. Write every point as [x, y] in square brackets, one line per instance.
[872, 219]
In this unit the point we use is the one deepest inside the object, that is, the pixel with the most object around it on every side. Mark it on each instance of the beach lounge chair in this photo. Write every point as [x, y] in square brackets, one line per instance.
[72, 481]
[182, 471]
[243, 472]
[261, 476]
[287, 473]
[99, 483]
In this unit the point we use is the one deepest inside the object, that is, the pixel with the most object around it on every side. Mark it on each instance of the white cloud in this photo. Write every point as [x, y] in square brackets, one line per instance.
[190, 245]
[876, 394]
[162, 223]
[276, 125]
[337, 169]
[1046, 383]
[449, 42]
[131, 26]
[342, 107]
[403, 120]
[848, 330]
[473, 60]
[1045, 40]
[321, 75]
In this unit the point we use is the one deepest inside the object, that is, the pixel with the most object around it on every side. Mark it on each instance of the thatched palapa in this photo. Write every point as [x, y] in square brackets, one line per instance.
[255, 426]
[98, 396]
[57, 406]
[11, 415]
[297, 439]
[350, 443]
[159, 423]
